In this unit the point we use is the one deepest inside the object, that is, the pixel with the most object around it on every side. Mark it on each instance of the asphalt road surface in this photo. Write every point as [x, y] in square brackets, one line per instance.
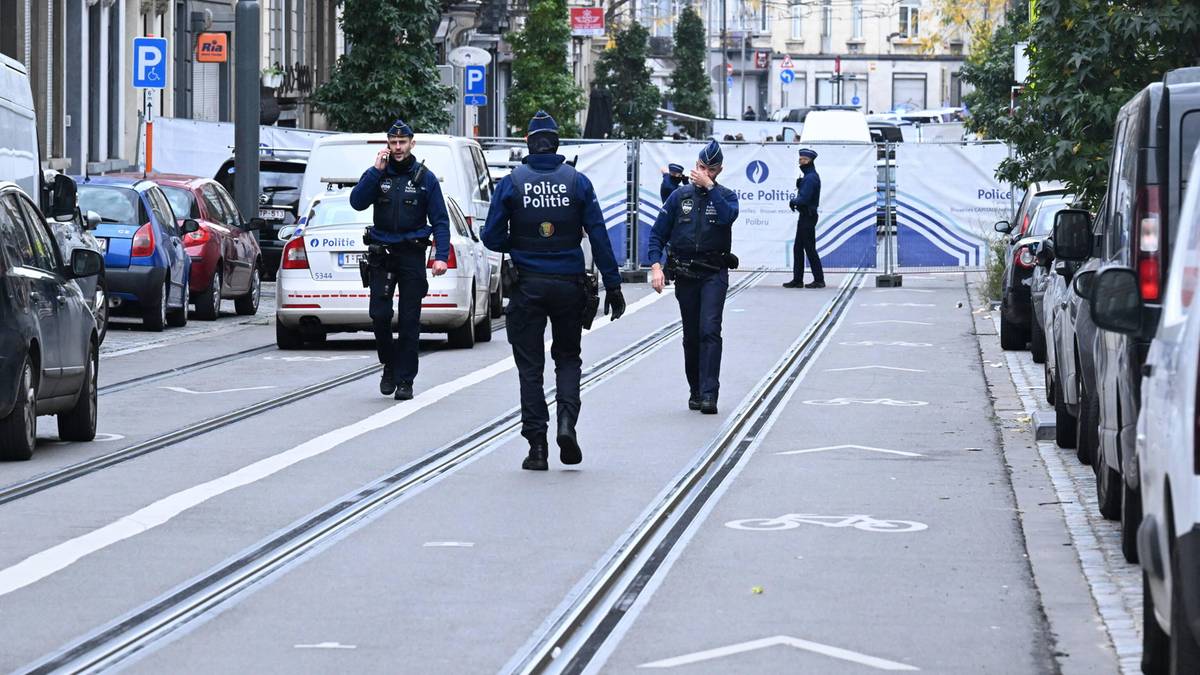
[864, 501]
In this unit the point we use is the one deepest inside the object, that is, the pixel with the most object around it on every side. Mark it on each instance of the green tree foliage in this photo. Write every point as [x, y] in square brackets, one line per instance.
[691, 88]
[624, 73]
[1086, 61]
[989, 69]
[389, 71]
[541, 80]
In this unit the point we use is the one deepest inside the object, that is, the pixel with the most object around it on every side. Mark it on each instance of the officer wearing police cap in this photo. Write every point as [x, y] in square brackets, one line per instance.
[805, 203]
[408, 209]
[539, 215]
[696, 227]
[672, 178]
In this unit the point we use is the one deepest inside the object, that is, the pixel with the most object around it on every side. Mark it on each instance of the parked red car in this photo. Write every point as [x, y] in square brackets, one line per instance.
[226, 258]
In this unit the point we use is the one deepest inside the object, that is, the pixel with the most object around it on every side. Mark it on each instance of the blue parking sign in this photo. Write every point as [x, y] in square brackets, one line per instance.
[475, 85]
[149, 62]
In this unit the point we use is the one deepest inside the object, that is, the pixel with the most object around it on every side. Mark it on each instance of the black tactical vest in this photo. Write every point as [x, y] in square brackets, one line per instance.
[546, 210]
[696, 231]
[402, 205]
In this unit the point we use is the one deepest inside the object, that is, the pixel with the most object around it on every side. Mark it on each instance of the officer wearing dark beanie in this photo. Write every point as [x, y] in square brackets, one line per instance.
[539, 215]
[408, 209]
[805, 203]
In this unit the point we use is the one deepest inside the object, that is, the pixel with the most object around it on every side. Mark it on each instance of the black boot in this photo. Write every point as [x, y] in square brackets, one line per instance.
[386, 385]
[568, 445]
[815, 284]
[793, 284]
[694, 401]
[404, 391]
[708, 405]
[538, 454]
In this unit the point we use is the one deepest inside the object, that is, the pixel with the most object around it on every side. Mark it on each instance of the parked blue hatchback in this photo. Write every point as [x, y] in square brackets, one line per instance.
[145, 263]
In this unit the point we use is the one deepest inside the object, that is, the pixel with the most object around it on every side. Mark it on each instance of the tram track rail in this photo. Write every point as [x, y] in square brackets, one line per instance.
[139, 630]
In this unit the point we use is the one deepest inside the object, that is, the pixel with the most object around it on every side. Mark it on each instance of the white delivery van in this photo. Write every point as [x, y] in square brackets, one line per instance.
[835, 126]
[19, 160]
[457, 162]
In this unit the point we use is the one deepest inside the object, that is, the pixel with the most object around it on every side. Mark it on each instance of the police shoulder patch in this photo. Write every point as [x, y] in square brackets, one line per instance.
[686, 206]
[546, 229]
[385, 184]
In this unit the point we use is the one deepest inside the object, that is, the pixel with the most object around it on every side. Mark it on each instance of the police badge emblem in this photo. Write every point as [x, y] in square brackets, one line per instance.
[686, 206]
[546, 229]
[385, 184]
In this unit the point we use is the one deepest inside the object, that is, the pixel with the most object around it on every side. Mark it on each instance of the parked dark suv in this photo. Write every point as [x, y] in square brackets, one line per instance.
[1016, 299]
[49, 347]
[1156, 133]
[279, 179]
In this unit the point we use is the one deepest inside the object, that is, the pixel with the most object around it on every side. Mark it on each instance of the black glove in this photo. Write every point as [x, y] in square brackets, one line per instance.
[792, 205]
[615, 301]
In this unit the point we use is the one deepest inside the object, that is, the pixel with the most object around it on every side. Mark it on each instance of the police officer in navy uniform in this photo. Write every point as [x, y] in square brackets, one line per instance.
[672, 178]
[805, 203]
[696, 227]
[408, 208]
[539, 215]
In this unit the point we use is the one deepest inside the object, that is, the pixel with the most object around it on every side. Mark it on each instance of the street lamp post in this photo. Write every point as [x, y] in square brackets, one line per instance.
[247, 110]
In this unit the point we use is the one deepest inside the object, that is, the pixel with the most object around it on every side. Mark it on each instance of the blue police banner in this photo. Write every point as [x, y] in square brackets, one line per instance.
[764, 177]
[947, 200]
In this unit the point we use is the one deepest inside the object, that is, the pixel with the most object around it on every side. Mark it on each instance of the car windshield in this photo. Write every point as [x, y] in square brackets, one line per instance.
[1043, 219]
[182, 201]
[279, 181]
[114, 204]
[337, 212]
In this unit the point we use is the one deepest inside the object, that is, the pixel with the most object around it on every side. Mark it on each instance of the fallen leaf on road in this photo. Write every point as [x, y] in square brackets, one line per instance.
[757, 590]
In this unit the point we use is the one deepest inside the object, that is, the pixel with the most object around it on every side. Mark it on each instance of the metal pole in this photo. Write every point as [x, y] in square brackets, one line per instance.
[743, 58]
[248, 107]
[724, 68]
[888, 223]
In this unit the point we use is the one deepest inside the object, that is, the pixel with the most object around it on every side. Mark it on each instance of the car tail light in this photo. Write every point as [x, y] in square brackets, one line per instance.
[1025, 257]
[1149, 238]
[143, 242]
[200, 236]
[295, 256]
[451, 262]
[1025, 225]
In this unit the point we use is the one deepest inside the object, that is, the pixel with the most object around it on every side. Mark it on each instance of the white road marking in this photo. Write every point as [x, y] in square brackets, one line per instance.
[902, 453]
[900, 321]
[901, 290]
[898, 304]
[907, 370]
[790, 521]
[185, 390]
[867, 401]
[778, 640]
[339, 357]
[105, 438]
[448, 544]
[326, 645]
[57, 558]
[895, 343]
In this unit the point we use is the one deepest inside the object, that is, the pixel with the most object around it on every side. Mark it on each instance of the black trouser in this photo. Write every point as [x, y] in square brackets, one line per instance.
[701, 306]
[806, 245]
[560, 299]
[402, 273]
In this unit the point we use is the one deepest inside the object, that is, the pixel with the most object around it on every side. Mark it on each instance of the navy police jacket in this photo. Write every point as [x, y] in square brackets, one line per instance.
[694, 222]
[403, 210]
[668, 186]
[808, 194]
[557, 204]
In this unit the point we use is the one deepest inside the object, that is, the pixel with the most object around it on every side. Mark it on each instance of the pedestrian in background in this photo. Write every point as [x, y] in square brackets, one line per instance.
[408, 209]
[672, 178]
[805, 204]
[540, 214]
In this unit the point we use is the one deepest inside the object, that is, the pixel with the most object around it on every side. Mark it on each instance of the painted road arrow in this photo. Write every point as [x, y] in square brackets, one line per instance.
[786, 640]
[851, 447]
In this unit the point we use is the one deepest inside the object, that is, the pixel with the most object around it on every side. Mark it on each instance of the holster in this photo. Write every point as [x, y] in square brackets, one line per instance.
[697, 268]
[592, 303]
[509, 278]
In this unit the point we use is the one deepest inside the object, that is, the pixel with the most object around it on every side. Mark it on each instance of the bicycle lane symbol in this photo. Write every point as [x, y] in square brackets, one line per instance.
[791, 521]
[866, 401]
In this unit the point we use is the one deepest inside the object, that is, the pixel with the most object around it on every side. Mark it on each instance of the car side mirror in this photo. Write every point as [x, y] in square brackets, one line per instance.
[1045, 253]
[287, 232]
[1082, 284]
[256, 224]
[85, 263]
[190, 225]
[91, 220]
[63, 197]
[1073, 234]
[1117, 301]
[1002, 226]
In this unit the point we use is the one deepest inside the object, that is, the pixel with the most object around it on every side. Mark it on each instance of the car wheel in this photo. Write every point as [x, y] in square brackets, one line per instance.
[1108, 488]
[1037, 342]
[1012, 338]
[178, 318]
[156, 318]
[247, 304]
[496, 304]
[1086, 430]
[1048, 384]
[463, 337]
[101, 303]
[18, 431]
[1131, 520]
[1155, 641]
[287, 338]
[1064, 421]
[208, 304]
[79, 423]
[1185, 652]
[483, 329]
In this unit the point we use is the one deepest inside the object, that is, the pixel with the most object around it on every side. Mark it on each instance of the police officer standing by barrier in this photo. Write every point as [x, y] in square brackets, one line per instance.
[539, 215]
[696, 226]
[408, 208]
[672, 178]
[805, 203]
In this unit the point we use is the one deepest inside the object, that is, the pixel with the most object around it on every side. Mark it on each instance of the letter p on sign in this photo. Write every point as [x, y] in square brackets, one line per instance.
[149, 62]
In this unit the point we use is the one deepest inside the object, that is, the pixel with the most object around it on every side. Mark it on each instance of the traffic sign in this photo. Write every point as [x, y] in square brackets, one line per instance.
[475, 99]
[728, 68]
[787, 76]
[474, 80]
[149, 62]
[465, 56]
[787, 64]
[855, 101]
[729, 82]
